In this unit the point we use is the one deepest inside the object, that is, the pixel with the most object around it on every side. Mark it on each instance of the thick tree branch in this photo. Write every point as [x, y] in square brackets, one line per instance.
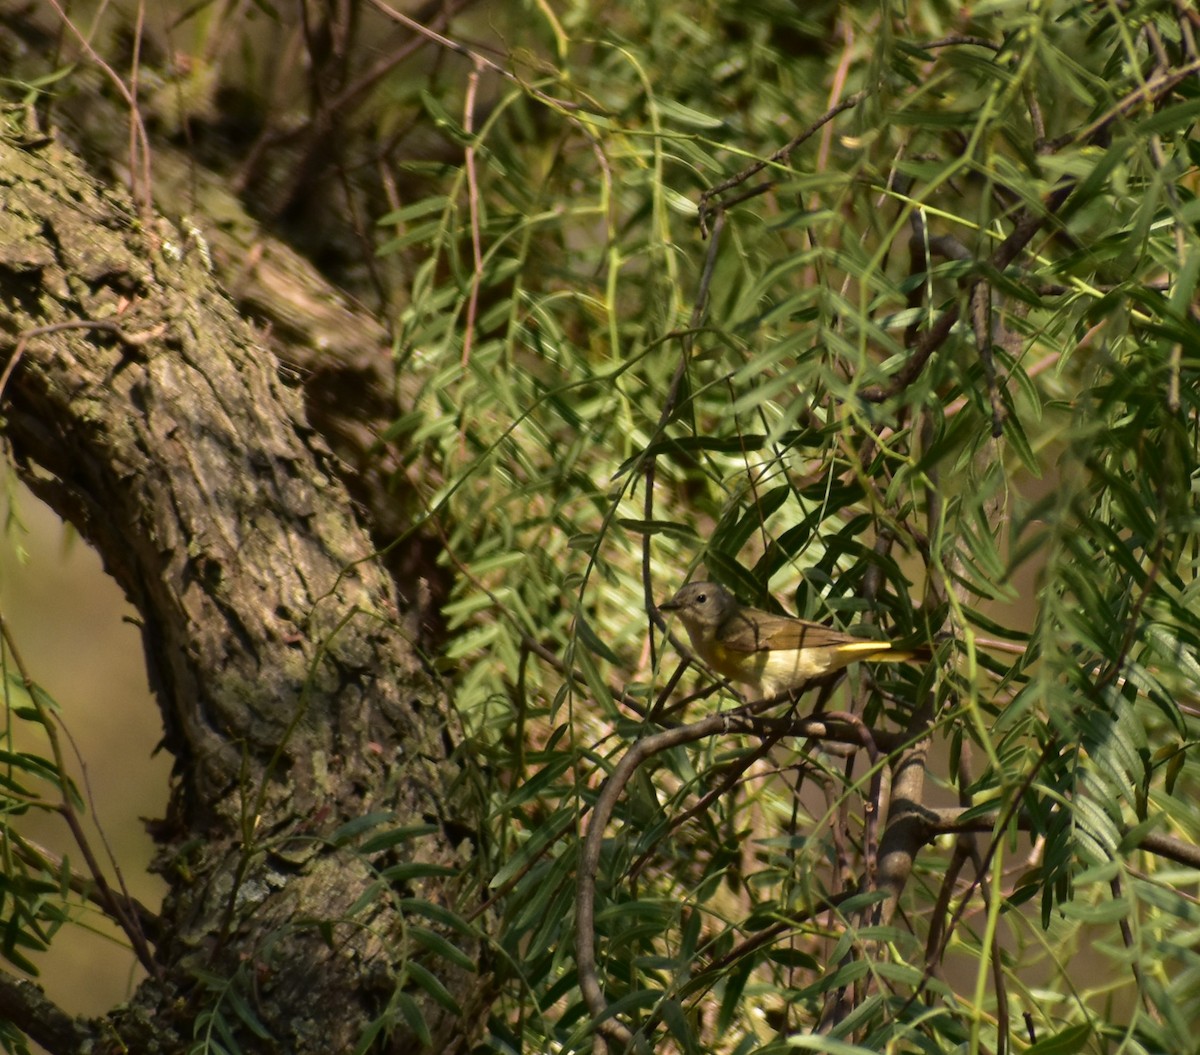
[281, 656]
[25, 1005]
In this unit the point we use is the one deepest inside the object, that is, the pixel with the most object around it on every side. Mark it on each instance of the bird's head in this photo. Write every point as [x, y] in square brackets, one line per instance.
[702, 607]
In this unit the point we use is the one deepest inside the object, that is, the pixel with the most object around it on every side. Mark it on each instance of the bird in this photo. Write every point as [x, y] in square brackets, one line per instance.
[770, 654]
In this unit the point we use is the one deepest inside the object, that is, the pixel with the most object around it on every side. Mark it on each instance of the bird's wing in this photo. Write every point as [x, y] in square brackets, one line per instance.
[756, 631]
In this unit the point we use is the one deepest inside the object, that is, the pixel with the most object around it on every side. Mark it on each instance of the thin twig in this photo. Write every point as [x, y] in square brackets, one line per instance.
[473, 209]
[733, 773]
[952, 41]
[585, 897]
[35, 856]
[874, 804]
[1001, 824]
[1114, 886]
[118, 906]
[134, 340]
[780, 155]
[461, 49]
[650, 469]
[139, 159]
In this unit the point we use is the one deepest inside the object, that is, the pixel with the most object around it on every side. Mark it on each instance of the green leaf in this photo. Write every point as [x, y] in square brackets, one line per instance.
[430, 983]
[1065, 1042]
[592, 642]
[409, 870]
[826, 1044]
[438, 945]
[396, 837]
[356, 826]
[685, 115]
[245, 1013]
[546, 834]
[410, 1011]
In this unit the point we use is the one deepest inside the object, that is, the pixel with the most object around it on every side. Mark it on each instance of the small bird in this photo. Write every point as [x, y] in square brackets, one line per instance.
[769, 653]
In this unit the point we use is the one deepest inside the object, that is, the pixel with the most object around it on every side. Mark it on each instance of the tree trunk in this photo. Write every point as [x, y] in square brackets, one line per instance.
[151, 417]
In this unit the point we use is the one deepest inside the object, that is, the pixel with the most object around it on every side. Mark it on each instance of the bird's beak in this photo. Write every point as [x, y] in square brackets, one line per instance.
[669, 606]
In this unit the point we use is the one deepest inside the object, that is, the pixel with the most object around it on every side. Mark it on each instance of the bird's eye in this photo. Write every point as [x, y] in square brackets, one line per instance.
[702, 597]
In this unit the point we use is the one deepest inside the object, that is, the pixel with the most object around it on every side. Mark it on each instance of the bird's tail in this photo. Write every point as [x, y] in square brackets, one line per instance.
[902, 653]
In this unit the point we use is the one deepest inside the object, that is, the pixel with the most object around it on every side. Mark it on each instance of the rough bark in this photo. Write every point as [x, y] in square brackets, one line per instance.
[341, 353]
[159, 425]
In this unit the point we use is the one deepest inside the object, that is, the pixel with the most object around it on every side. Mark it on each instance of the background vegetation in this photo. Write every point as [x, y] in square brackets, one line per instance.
[879, 310]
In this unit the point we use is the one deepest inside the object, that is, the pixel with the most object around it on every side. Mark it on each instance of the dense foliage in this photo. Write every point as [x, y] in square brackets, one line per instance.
[942, 346]
[884, 311]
